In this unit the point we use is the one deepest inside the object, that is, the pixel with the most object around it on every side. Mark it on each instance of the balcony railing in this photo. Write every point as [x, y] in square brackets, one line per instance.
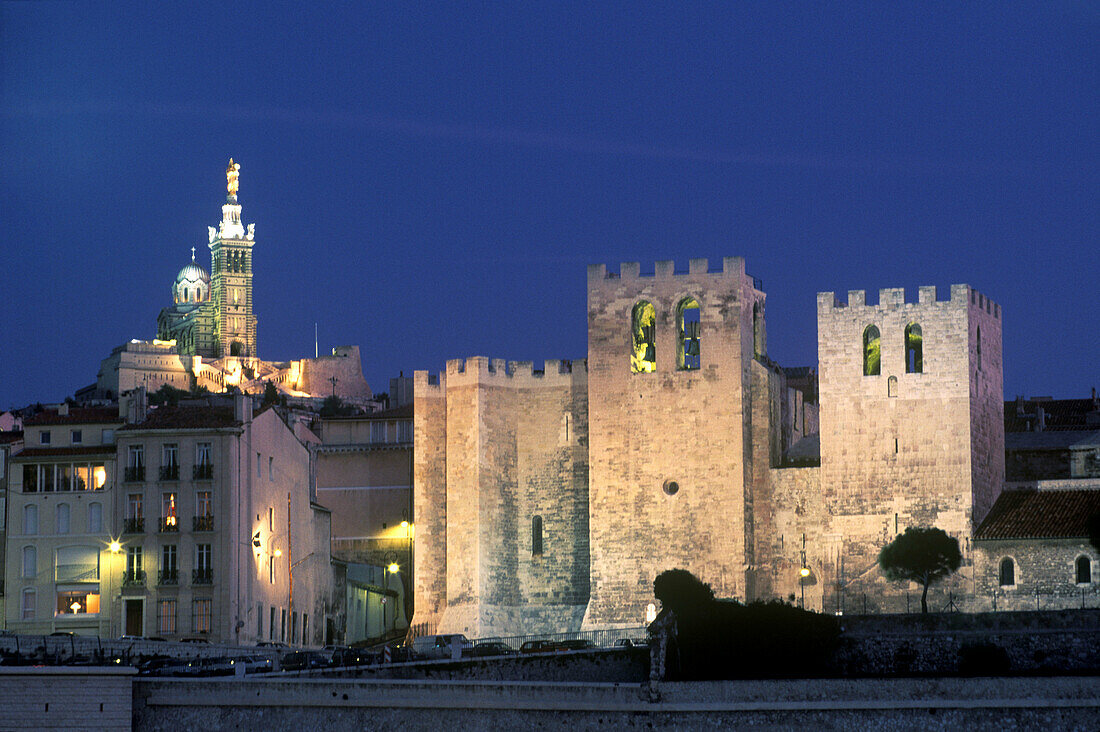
[133, 526]
[169, 472]
[134, 474]
[202, 576]
[168, 577]
[202, 523]
[169, 523]
[203, 472]
[133, 577]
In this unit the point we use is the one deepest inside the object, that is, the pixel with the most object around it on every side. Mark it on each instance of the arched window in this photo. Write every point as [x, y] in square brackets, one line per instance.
[30, 519]
[1083, 571]
[643, 357]
[1008, 573]
[30, 561]
[63, 515]
[978, 347]
[536, 536]
[30, 601]
[914, 349]
[95, 518]
[871, 351]
[687, 329]
[892, 386]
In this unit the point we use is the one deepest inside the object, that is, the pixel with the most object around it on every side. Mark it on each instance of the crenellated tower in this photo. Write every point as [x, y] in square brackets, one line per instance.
[231, 277]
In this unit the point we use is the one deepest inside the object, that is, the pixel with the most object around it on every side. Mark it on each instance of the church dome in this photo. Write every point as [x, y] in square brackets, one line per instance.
[192, 285]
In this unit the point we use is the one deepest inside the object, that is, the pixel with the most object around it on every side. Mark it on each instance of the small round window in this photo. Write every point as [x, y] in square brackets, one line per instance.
[671, 487]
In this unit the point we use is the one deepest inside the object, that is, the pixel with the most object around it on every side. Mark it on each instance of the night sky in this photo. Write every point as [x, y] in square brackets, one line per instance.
[429, 181]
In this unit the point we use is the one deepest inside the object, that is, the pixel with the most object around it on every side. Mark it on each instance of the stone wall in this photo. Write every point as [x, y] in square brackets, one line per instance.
[515, 449]
[1045, 575]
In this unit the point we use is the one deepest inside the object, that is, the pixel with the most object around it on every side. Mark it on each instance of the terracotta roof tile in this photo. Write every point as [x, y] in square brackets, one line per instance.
[186, 418]
[1029, 514]
[89, 415]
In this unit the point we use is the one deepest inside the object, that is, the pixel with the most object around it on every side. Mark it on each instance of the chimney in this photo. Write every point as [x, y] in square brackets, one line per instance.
[242, 408]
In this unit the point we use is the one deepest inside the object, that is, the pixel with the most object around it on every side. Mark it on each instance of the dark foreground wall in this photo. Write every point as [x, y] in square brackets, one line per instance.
[871, 704]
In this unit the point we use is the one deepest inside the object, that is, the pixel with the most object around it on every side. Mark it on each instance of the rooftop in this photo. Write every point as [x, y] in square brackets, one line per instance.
[186, 418]
[39, 452]
[1029, 514]
[76, 415]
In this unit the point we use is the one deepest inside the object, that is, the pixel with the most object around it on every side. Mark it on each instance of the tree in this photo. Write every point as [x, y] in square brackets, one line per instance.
[681, 591]
[271, 394]
[921, 554]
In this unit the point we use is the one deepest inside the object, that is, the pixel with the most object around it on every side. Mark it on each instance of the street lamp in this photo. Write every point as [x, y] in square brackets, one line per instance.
[803, 573]
[392, 568]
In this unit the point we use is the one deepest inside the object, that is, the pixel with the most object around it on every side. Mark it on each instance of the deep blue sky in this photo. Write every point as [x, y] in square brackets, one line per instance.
[429, 181]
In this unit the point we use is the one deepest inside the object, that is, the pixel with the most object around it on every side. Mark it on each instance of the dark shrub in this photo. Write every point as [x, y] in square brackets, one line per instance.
[983, 659]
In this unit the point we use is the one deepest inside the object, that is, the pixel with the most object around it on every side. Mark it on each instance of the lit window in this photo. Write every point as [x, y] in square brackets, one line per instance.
[166, 617]
[202, 613]
[77, 602]
[871, 351]
[643, 355]
[687, 328]
[914, 349]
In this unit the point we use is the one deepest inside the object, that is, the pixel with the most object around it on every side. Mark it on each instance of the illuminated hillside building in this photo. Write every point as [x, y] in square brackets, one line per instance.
[207, 337]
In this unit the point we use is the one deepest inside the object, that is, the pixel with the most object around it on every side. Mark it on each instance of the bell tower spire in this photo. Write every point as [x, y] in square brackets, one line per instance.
[231, 276]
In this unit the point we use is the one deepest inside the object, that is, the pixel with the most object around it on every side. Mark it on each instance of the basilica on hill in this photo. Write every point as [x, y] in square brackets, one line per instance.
[207, 336]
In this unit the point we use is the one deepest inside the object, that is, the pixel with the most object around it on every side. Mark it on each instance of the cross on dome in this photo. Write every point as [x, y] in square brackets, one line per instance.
[192, 254]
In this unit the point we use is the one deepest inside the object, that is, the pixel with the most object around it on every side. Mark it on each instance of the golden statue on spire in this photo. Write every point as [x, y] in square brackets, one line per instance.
[231, 175]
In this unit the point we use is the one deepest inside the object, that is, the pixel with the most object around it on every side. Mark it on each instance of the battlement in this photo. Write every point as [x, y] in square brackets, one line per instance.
[895, 297]
[555, 372]
[731, 268]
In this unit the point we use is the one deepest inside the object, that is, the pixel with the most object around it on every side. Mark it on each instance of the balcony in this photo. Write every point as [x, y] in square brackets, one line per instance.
[203, 472]
[133, 526]
[133, 577]
[169, 523]
[203, 576]
[170, 472]
[168, 577]
[134, 474]
[202, 523]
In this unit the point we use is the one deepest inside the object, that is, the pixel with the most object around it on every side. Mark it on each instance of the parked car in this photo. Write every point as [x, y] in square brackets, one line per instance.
[439, 646]
[331, 651]
[252, 664]
[195, 639]
[631, 643]
[220, 666]
[276, 645]
[574, 644]
[303, 661]
[537, 646]
[490, 648]
[130, 638]
[351, 657]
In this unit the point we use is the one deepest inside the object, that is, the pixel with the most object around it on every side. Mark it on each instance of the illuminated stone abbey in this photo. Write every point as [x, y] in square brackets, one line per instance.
[550, 499]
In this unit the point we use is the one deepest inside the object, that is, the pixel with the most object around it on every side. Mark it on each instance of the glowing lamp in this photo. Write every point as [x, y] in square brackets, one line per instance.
[115, 546]
[404, 524]
[278, 552]
[75, 607]
[394, 568]
[650, 613]
[805, 571]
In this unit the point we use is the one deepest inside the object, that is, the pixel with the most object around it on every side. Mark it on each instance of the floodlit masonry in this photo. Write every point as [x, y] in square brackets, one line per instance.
[549, 499]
